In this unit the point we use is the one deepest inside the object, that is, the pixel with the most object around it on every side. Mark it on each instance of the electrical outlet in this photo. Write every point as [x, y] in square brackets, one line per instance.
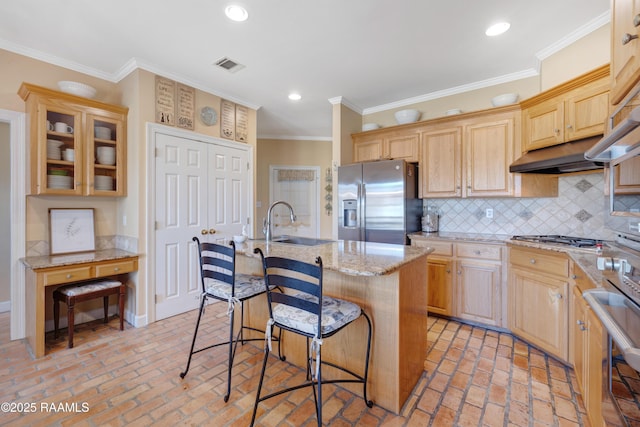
[489, 213]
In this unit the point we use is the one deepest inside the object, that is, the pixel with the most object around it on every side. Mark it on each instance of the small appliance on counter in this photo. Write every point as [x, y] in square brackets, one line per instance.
[430, 219]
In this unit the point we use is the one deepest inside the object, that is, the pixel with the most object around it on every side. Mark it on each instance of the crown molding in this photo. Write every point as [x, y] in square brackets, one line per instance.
[295, 138]
[344, 101]
[574, 36]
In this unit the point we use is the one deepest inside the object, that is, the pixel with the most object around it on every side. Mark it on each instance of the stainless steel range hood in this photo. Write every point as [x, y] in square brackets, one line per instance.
[558, 159]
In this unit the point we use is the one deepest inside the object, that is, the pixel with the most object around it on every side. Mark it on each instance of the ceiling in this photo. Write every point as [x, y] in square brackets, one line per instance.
[371, 54]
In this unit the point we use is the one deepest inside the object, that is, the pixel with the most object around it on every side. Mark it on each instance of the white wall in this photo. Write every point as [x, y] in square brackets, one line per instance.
[5, 224]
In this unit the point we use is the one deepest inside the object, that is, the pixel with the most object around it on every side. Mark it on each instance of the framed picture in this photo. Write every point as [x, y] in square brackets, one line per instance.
[71, 230]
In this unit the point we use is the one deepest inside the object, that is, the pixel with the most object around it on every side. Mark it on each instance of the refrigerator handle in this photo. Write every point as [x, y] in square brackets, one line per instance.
[363, 219]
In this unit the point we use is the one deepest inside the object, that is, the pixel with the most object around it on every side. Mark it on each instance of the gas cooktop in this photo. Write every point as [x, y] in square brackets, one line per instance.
[576, 242]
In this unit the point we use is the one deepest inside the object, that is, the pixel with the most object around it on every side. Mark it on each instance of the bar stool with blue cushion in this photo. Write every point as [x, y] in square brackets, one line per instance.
[297, 309]
[85, 291]
[221, 282]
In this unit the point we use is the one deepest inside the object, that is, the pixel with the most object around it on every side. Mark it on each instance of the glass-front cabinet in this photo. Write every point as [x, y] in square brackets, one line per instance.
[77, 145]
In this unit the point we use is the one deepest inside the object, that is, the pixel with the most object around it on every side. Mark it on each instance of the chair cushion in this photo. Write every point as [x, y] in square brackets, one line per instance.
[88, 287]
[247, 285]
[336, 313]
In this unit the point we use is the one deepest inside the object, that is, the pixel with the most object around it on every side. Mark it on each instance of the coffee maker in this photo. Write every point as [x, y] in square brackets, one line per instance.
[430, 219]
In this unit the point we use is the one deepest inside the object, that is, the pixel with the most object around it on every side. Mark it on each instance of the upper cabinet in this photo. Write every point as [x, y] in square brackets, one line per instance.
[470, 157]
[625, 47]
[572, 111]
[77, 145]
[386, 145]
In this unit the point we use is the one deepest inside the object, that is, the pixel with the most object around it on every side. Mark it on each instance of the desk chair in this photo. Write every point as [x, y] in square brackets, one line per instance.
[297, 309]
[221, 282]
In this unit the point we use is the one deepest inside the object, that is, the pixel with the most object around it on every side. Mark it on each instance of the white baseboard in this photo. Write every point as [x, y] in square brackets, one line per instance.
[5, 306]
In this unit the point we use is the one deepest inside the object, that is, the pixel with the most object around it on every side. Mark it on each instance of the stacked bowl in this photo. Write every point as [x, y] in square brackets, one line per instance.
[58, 178]
[106, 155]
[102, 132]
[53, 149]
[104, 183]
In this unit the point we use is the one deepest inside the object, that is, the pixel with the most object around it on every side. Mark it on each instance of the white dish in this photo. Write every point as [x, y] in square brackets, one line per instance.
[407, 116]
[504, 99]
[370, 126]
[102, 132]
[239, 238]
[452, 112]
[75, 88]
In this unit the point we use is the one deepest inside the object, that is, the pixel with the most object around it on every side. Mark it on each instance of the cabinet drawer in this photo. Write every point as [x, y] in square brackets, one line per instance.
[472, 250]
[554, 263]
[112, 268]
[67, 275]
[439, 247]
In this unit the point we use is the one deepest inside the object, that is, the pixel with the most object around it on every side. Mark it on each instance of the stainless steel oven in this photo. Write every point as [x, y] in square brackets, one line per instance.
[617, 305]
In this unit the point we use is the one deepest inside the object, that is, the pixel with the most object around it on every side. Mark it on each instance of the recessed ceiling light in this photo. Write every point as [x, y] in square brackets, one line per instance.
[497, 29]
[236, 13]
[295, 96]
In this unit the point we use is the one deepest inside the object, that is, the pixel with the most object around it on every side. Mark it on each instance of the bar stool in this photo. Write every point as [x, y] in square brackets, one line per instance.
[221, 282]
[299, 311]
[85, 291]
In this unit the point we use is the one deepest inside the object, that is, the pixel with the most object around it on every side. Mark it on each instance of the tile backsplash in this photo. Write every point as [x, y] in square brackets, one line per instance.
[579, 210]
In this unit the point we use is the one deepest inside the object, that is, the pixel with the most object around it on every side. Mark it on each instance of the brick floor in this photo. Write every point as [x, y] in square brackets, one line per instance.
[473, 377]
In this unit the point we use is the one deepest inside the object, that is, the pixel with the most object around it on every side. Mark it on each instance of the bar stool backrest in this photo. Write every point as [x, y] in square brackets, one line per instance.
[293, 277]
[217, 262]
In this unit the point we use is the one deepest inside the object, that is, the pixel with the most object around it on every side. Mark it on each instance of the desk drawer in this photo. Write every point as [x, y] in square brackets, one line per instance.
[119, 267]
[67, 275]
[553, 263]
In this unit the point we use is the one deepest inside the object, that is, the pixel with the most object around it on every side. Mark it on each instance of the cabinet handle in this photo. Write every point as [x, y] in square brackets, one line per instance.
[532, 261]
[203, 232]
[574, 277]
[580, 322]
[116, 269]
[69, 276]
[636, 20]
[448, 271]
[212, 231]
[569, 126]
[559, 296]
[459, 272]
[556, 131]
[583, 328]
[628, 37]
[477, 252]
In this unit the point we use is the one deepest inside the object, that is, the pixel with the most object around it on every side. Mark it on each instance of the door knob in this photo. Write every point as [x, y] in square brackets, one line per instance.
[212, 231]
[636, 20]
[628, 37]
[203, 232]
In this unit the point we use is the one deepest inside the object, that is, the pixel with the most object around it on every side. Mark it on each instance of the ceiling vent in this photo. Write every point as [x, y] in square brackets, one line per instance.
[229, 65]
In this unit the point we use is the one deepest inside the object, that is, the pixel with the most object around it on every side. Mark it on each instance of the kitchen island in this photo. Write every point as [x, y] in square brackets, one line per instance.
[389, 282]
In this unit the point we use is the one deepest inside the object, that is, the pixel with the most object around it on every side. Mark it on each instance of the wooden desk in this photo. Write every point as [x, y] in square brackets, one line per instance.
[43, 271]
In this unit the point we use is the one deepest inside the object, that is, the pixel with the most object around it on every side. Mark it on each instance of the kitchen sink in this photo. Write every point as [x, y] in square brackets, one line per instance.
[296, 240]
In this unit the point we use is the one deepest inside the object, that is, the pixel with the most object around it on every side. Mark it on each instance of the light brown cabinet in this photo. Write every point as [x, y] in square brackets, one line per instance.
[590, 347]
[478, 283]
[464, 280]
[625, 47]
[468, 159]
[440, 267]
[539, 298]
[94, 132]
[569, 112]
[627, 180]
[386, 145]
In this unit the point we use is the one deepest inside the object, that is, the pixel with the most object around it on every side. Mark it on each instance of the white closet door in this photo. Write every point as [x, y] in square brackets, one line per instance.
[181, 213]
[201, 190]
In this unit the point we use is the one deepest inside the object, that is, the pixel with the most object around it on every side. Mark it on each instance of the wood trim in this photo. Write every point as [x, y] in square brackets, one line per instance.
[27, 89]
[561, 89]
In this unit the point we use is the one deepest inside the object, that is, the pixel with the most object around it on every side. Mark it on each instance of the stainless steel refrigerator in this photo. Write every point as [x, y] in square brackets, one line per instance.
[378, 201]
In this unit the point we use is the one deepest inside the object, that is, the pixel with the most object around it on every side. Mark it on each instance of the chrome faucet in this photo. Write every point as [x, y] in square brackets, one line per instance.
[266, 228]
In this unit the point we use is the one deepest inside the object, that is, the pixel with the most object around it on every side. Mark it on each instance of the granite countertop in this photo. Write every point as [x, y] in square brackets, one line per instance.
[586, 258]
[46, 261]
[345, 256]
